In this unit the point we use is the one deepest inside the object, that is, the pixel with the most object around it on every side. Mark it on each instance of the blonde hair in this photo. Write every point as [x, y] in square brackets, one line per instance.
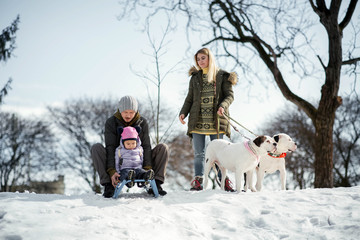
[213, 69]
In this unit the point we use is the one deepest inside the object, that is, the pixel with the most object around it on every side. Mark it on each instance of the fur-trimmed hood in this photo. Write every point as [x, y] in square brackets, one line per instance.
[223, 97]
[193, 70]
[232, 75]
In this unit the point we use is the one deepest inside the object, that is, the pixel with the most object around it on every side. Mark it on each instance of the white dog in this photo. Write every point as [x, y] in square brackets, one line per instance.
[237, 157]
[275, 161]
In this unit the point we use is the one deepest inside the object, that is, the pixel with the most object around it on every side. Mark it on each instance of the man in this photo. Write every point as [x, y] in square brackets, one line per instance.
[104, 158]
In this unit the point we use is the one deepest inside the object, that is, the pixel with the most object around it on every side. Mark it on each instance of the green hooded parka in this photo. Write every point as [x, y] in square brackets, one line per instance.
[223, 98]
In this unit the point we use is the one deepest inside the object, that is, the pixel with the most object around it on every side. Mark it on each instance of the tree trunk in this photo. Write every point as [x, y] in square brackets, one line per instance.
[329, 101]
[323, 164]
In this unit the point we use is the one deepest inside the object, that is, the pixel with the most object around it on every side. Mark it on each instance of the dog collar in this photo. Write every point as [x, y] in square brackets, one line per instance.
[282, 155]
[246, 144]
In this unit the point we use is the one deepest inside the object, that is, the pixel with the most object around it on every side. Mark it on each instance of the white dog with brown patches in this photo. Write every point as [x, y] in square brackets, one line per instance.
[275, 161]
[237, 157]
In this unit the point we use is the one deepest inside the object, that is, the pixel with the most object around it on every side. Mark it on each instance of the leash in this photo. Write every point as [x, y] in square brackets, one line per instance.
[252, 151]
[228, 118]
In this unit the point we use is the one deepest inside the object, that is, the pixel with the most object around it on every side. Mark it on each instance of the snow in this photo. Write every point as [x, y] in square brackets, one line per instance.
[209, 214]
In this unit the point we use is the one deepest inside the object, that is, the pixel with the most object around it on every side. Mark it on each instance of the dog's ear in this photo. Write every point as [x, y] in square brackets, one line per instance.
[276, 138]
[259, 140]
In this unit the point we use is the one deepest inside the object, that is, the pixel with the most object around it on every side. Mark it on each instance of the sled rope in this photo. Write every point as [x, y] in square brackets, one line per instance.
[228, 118]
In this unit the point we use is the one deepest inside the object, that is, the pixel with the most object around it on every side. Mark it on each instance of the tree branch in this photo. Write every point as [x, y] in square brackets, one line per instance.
[351, 61]
[349, 13]
[322, 64]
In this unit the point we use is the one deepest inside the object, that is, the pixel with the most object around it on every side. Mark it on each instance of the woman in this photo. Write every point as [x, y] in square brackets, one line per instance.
[209, 97]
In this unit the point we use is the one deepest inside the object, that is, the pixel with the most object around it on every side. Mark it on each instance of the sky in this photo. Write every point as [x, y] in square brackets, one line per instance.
[326, 214]
[72, 49]
[68, 49]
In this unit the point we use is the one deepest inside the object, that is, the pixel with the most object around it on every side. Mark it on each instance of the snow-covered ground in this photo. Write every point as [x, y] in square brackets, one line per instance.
[210, 214]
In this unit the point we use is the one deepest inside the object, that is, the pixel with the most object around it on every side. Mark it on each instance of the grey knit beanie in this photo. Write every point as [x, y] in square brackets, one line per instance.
[128, 103]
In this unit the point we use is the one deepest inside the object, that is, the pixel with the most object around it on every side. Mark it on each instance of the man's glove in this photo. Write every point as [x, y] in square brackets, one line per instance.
[147, 168]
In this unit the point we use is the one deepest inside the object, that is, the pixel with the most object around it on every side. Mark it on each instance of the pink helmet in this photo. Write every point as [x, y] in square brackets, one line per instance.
[129, 133]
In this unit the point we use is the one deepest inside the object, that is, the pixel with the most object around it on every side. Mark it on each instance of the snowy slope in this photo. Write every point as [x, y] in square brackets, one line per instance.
[210, 214]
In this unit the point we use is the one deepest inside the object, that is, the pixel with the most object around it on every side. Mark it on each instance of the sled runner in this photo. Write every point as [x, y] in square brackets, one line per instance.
[140, 183]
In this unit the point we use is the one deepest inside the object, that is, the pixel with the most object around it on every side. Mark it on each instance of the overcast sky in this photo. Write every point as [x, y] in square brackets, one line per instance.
[70, 49]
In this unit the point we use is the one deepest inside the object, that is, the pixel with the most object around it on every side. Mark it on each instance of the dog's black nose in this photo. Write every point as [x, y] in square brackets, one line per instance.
[275, 144]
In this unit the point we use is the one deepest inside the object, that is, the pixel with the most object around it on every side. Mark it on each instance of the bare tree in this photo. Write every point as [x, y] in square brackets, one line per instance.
[181, 158]
[347, 144]
[82, 121]
[7, 46]
[157, 76]
[276, 34]
[165, 121]
[26, 147]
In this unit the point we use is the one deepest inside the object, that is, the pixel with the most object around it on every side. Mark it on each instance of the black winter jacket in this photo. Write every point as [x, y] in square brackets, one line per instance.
[112, 140]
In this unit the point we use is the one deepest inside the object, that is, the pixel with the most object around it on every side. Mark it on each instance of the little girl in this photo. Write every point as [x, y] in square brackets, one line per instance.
[129, 156]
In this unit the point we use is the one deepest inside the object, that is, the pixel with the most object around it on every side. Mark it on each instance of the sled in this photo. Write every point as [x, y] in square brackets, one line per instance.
[120, 186]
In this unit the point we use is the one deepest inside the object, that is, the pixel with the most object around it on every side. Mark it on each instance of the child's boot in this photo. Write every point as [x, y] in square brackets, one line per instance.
[149, 175]
[131, 176]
